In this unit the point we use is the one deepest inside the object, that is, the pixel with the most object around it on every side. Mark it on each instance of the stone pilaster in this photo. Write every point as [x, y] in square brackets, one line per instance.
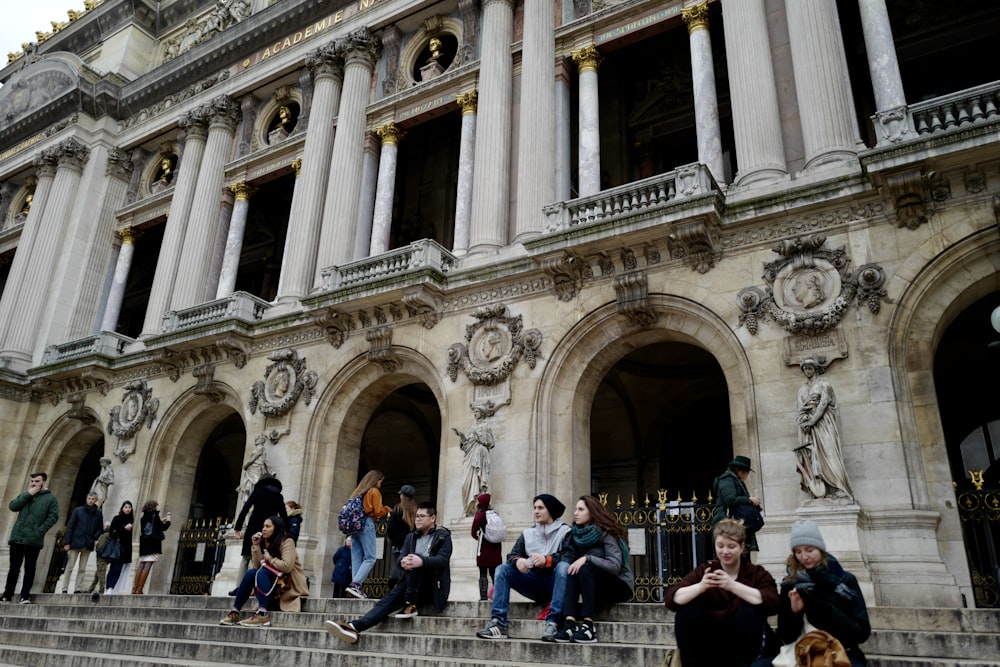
[343, 195]
[468, 11]
[122, 267]
[757, 126]
[537, 126]
[563, 168]
[587, 61]
[821, 82]
[369, 185]
[298, 265]
[706, 104]
[391, 40]
[234, 239]
[491, 177]
[223, 116]
[248, 106]
[466, 167]
[382, 221]
[195, 128]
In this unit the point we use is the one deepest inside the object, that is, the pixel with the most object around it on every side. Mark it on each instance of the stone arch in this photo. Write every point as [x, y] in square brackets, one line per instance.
[60, 455]
[933, 289]
[342, 413]
[586, 353]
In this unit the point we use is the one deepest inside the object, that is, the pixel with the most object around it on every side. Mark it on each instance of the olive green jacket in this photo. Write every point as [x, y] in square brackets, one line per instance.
[36, 514]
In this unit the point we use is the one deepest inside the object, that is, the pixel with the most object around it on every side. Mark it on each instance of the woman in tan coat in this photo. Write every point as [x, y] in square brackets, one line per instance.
[276, 574]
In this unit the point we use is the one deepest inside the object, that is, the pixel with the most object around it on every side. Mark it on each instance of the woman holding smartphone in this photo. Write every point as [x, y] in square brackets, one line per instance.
[724, 603]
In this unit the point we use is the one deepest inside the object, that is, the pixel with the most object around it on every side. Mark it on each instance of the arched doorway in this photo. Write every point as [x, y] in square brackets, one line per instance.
[660, 419]
[965, 367]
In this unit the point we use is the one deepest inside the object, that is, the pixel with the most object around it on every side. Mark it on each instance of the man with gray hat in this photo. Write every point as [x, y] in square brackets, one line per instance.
[531, 570]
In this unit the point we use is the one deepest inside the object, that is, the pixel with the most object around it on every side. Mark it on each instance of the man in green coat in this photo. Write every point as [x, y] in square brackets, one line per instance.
[730, 490]
[37, 511]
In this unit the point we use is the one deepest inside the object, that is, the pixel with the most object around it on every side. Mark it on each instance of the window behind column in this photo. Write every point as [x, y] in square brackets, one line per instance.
[264, 239]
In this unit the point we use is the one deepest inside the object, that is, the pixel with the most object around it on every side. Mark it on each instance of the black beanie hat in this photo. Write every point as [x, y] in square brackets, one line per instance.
[552, 504]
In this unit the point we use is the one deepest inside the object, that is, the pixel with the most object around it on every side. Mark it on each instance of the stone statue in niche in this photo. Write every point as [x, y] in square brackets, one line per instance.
[819, 453]
[103, 482]
[254, 468]
[476, 445]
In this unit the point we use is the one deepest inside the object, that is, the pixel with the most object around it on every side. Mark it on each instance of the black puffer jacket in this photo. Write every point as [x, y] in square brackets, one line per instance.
[266, 500]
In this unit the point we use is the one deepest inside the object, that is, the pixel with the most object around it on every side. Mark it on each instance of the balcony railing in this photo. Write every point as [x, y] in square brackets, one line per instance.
[422, 254]
[237, 306]
[957, 109]
[106, 343]
[630, 200]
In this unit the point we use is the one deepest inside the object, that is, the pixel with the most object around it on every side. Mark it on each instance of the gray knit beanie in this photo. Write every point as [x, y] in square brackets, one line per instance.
[806, 533]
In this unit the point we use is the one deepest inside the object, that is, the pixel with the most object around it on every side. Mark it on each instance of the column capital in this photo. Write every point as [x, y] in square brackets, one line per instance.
[361, 47]
[72, 153]
[223, 110]
[696, 18]
[243, 190]
[326, 61]
[468, 102]
[45, 163]
[119, 164]
[129, 235]
[587, 58]
[297, 166]
[390, 134]
[194, 124]
[509, 3]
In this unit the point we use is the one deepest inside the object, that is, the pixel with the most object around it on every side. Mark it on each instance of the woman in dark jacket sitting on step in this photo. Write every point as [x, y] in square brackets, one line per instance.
[595, 559]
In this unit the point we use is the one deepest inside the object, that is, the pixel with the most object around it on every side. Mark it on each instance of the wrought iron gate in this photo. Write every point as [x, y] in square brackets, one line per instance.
[201, 551]
[980, 514]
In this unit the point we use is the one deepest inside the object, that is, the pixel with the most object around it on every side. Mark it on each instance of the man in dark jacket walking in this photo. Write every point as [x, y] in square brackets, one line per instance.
[266, 500]
[85, 525]
[37, 511]
[426, 577]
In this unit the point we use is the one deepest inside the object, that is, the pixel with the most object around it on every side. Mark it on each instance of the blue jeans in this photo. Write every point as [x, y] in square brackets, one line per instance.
[363, 552]
[538, 587]
[248, 586]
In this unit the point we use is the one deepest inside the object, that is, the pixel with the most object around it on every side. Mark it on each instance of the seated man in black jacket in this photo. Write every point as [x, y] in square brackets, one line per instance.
[426, 577]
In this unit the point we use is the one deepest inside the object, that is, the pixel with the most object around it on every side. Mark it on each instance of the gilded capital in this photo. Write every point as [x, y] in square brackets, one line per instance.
[696, 18]
[390, 134]
[468, 101]
[297, 166]
[587, 58]
[243, 190]
[129, 235]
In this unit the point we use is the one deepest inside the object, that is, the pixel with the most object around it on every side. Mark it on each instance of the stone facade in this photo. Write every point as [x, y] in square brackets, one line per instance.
[792, 230]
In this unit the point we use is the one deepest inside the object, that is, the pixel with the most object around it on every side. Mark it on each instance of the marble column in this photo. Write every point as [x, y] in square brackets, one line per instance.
[298, 265]
[202, 228]
[491, 177]
[706, 103]
[71, 156]
[881, 48]
[466, 169]
[822, 88]
[45, 170]
[382, 220]
[195, 128]
[369, 185]
[760, 149]
[234, 239]
[587, 61]
[563, 142]
[114, 307]
[536, 140]
[219, 248]
[343, 195]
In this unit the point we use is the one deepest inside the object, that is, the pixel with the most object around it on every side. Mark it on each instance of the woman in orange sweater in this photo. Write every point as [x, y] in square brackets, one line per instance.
[363, 542]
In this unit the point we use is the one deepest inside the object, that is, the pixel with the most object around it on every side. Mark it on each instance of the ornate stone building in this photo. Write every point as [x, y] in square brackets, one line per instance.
[599, 239]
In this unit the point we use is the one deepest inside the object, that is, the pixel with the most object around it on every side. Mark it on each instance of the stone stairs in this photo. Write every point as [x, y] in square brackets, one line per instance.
[176, 630]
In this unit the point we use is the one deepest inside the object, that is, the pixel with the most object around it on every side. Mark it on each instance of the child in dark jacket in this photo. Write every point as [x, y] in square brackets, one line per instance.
[341, 577]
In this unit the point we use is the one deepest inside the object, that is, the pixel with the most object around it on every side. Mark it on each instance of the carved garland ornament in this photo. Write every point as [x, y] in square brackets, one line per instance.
[810, 288]
[284, 382]
[494, 345]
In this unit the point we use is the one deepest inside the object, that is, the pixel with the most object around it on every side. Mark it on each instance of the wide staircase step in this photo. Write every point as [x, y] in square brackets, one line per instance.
[182, 630]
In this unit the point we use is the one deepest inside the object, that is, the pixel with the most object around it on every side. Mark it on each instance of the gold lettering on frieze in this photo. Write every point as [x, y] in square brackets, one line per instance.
[21, 146]
[637, 24]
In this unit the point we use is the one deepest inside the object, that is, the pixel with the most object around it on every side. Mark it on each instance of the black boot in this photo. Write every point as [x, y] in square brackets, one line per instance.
[484, 586]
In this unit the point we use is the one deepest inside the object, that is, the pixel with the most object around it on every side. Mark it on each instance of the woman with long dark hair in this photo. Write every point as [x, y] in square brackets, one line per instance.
[401, 524]
[150, 542]
[363, 542]
[595, 558]
[276, 574]
[121, 530]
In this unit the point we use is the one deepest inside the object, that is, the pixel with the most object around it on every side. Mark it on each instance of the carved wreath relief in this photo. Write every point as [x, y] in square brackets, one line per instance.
[493, 347]
[284, 382]
[138, 407]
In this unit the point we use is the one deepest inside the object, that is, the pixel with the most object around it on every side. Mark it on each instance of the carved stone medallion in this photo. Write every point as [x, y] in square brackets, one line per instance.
[138, 407]
[285, 381]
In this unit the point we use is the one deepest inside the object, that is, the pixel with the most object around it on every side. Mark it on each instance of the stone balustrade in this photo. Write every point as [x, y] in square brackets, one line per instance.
[957, 109]
[106, 343]
[422, 254]
[236, 306]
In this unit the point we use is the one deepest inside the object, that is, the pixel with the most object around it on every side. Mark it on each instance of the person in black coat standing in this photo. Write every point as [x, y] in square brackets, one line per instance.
[85, 525]
[150, 542]
[121, 530]
[265, 500]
